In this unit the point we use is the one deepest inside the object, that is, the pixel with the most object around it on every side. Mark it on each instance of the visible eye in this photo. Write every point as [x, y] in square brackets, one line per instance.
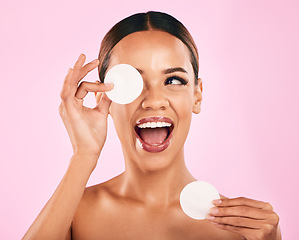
[175, 81]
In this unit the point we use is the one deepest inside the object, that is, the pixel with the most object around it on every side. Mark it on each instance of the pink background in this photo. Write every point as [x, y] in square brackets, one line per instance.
[245, 140]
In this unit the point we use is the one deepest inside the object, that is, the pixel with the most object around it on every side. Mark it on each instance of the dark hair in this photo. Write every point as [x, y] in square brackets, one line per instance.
[145, 22]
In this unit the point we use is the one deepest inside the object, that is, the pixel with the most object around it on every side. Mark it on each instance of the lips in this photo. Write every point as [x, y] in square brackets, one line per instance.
[154, 133]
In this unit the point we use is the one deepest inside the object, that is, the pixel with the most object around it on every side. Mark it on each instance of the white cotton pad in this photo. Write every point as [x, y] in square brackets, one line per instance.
[196, 199]
[128, 83]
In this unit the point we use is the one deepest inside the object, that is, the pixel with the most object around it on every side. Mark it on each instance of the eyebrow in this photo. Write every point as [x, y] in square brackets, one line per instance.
[176, 69]
[168, 70]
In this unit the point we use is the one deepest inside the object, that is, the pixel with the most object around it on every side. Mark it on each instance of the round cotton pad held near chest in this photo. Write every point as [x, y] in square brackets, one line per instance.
[196, 199]
[128, 83]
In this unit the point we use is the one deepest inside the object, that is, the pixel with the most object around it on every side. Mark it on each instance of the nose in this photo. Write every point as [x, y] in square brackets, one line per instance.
[155, 99]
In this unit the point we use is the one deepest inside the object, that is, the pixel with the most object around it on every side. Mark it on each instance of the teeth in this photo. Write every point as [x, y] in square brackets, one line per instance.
[154, 124]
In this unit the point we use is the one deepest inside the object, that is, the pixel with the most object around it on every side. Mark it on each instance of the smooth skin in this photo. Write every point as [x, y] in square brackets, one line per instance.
[142, 202]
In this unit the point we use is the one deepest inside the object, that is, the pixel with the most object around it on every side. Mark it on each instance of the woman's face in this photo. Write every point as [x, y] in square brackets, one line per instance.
[169, 97]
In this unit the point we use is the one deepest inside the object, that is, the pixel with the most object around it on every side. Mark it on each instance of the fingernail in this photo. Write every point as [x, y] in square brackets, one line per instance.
[217, 224]
[217, 201]
[210, 217]
[214, 211]
[109, 84]
[81, 55]
[94, 61]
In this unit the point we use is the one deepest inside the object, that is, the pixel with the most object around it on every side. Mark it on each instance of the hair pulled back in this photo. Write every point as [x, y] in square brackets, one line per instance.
[145, 22]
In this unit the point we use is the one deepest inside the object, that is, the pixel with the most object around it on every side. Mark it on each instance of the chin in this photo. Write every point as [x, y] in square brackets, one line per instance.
[155, 161]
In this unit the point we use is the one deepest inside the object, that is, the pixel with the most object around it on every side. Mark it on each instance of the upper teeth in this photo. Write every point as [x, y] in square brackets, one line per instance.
[154, 124]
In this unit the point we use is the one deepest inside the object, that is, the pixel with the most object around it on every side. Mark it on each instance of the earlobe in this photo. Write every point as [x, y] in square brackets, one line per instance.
[197, 107]
[197, 97]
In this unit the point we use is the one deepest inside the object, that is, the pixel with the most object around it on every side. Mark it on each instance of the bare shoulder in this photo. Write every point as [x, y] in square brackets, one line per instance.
[102, 204]
[97, 199]
[96, 194]
[95, 209]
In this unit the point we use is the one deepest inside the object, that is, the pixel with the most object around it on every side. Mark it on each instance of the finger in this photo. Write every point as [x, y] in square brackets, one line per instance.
[241, 201]
[237, 221]
[245, 232]
[87, 68]
[67, 87]
[103, 105]
[240, 211]
[73, 76]
[77, 68]
[86, 87]
[273, 219]
[70, 82]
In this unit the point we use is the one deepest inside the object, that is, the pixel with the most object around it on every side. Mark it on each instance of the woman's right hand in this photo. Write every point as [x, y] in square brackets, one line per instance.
[86, 127]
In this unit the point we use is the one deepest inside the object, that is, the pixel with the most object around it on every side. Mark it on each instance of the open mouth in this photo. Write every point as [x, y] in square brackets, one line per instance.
[154, 133]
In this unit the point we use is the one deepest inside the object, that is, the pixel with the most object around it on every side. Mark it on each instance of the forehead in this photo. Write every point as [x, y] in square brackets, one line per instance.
[151, 49]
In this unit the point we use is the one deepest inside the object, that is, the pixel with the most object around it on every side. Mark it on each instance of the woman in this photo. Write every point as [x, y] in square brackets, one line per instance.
[143, 201]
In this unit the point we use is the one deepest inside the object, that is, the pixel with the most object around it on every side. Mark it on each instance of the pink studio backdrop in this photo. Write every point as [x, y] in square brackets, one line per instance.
[245, 140]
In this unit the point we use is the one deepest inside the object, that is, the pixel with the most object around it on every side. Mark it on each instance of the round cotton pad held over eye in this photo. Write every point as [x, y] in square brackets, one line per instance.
[196, 199]
[128, 83]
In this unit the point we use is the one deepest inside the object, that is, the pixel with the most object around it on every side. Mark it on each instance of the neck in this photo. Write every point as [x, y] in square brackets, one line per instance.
[157, 188]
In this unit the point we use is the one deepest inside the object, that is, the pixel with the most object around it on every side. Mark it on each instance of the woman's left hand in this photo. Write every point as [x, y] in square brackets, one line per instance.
[250, 218]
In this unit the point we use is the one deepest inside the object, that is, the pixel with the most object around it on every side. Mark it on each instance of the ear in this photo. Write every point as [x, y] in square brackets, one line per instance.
[197, 97]
[98, 97]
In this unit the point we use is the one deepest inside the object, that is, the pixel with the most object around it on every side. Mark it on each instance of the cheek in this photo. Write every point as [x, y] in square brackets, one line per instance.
[183, 104]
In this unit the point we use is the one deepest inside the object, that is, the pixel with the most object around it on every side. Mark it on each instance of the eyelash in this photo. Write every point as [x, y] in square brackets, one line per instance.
[183, 81]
